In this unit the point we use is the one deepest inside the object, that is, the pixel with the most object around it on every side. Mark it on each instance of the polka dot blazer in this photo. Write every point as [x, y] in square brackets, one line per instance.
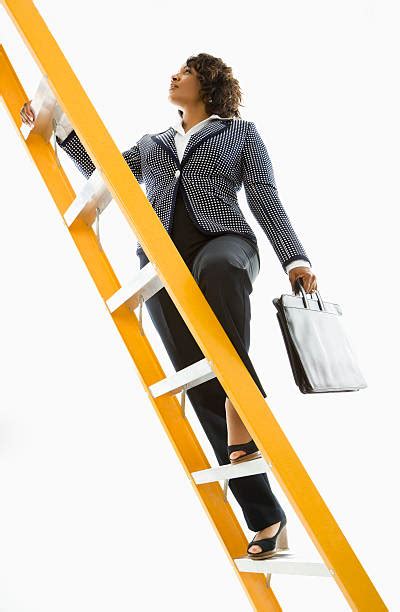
[218, 159]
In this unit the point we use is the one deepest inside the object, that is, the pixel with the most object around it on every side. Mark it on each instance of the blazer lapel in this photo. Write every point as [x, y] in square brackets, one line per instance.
[210, 129]
[166, 139]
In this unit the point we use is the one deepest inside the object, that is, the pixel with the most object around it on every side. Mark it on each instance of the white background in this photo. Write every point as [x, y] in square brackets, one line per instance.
[96, 511]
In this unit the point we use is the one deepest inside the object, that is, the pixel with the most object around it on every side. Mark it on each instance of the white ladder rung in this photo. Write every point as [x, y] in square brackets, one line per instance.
[283, 563]
[94, 194]
[145, 283]
[228, 471]
[187, 378]
[43, 104]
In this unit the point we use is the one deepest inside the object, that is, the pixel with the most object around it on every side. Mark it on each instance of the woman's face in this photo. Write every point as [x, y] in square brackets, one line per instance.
[185, 87]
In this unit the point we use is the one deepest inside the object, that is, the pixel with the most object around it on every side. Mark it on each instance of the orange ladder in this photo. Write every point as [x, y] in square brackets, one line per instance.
[114, 180]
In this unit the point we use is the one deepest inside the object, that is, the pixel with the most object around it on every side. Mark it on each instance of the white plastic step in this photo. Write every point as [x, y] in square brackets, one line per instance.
[284, 563]
[94, 194]
[187, 378]
[145, 283]
[44, 105]
[228, 471]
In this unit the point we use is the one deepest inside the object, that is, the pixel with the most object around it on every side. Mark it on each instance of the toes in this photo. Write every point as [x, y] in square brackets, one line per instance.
[236, 454]
[255, 549]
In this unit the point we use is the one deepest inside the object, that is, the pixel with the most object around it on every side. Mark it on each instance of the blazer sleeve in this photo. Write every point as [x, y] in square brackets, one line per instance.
[263, 199]
[74, 148]
[63, 124]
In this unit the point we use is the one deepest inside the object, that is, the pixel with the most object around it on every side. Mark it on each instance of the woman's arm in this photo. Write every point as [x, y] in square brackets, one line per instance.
[263, 200]
[69, 141]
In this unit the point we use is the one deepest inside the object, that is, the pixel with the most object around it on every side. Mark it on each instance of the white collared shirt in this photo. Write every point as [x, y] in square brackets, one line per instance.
[64, 128]
[182, 137]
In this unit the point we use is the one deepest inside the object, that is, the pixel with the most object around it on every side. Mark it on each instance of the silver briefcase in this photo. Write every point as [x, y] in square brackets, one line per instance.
[317, 344]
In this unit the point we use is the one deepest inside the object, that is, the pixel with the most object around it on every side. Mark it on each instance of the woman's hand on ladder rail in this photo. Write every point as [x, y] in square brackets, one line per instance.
[27, 114]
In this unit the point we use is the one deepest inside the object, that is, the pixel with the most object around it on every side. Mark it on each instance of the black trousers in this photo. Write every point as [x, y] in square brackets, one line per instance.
[224, 268]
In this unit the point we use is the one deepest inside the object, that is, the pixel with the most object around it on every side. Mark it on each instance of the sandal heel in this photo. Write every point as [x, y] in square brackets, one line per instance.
[282, 540]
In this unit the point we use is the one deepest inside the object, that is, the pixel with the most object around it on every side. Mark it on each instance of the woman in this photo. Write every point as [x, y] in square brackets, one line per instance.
[221, 252]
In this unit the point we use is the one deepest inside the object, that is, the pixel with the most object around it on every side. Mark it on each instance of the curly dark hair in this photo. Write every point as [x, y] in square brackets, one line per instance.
[216, 82]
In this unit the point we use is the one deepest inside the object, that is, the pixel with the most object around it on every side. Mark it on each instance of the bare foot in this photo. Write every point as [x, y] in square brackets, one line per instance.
[268, 532]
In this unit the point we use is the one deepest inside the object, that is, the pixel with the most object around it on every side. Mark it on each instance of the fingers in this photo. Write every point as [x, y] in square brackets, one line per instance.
[308, 280]
[310, 284]
[23, 112]
[27, 114]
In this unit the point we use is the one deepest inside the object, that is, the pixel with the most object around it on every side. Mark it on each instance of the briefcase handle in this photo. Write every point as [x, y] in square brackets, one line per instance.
[299, 285]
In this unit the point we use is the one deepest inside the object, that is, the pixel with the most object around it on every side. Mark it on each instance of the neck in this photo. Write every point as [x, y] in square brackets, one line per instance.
[192, 116]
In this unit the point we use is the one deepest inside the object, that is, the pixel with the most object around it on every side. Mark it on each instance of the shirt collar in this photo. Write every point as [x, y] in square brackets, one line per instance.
[178, 124]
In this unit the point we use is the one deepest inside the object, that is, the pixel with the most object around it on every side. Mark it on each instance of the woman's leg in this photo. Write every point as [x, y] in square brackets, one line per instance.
[253, 493]
[237, 432]
[225, 270]
[233, 260]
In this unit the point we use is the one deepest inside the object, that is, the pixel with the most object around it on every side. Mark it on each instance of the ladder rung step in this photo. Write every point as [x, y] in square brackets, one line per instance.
[228, 471]
[94, 194]
[189, 377]
[43, 104]
[146, 282]
[283, 563]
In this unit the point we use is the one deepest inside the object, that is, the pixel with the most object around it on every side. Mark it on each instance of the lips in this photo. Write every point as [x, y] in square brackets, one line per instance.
[173, 86]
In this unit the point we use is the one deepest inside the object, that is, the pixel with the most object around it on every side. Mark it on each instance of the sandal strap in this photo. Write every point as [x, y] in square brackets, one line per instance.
[249, 447]
[266, 545]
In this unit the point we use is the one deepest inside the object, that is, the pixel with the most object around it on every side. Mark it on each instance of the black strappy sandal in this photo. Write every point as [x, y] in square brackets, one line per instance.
[272, 545]
[250, 448]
